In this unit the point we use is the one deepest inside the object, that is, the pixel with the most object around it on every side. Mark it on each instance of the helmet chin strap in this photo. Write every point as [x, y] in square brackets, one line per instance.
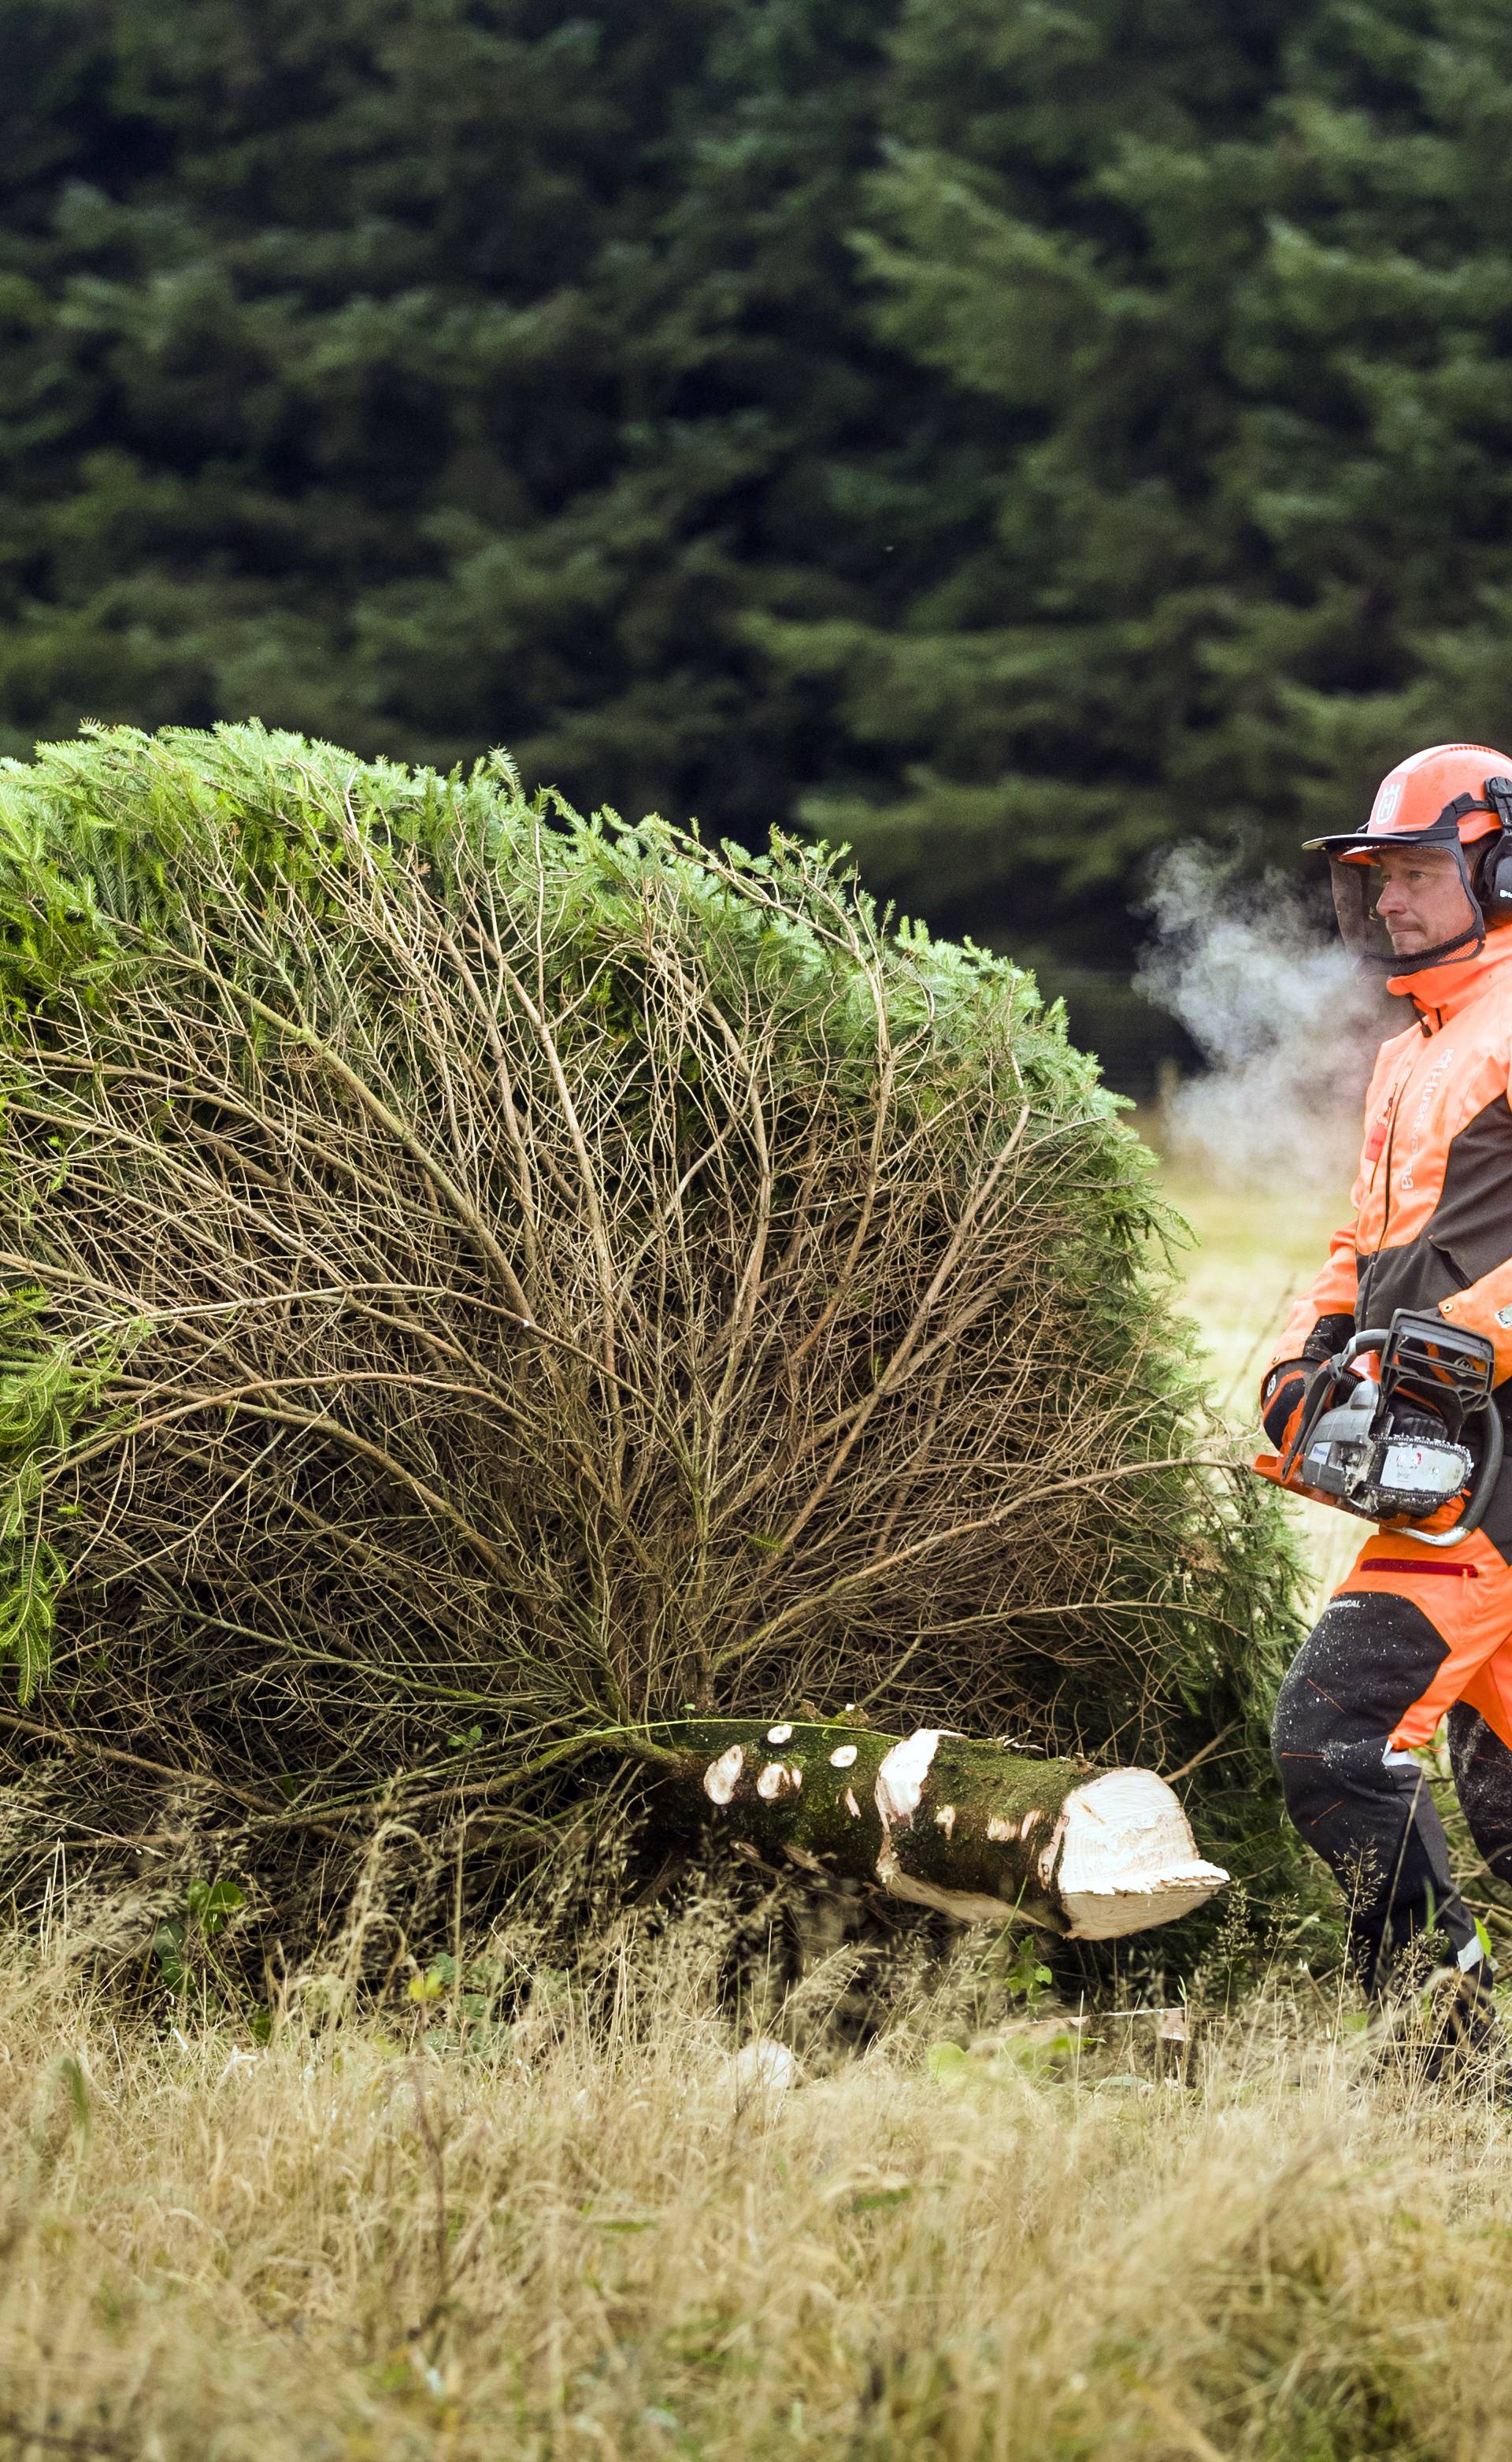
[1416, 962]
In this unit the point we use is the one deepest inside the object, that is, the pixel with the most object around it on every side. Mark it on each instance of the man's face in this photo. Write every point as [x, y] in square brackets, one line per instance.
[1420, 897]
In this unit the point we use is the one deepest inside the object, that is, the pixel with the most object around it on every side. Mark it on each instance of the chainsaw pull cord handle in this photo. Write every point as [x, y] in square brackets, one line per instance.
[1317, 1397]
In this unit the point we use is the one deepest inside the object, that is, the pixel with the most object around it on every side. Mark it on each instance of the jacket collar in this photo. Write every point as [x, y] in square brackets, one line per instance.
[1441, 992]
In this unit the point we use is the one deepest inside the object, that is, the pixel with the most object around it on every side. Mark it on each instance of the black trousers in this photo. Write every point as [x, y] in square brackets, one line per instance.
[1369, 1813]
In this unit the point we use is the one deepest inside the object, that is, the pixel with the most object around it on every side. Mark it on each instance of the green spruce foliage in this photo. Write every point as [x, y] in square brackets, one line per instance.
[1225, 300]
[1009, 440]
[431, 375]
[491, 1281]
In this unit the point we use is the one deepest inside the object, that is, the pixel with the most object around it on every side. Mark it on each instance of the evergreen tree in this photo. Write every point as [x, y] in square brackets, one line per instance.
[427, 373]
[1224, 305]
[1012, 440]
[1371, 350]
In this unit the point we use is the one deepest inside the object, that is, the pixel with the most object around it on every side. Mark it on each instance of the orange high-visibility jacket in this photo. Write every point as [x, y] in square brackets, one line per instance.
[1432, 1220]
[1431, 1228]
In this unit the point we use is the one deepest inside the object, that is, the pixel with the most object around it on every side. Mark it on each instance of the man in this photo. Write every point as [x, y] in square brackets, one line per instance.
[1413, 1632]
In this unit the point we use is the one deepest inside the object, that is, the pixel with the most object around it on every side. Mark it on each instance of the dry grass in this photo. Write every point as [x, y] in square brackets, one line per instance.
[583, 2238]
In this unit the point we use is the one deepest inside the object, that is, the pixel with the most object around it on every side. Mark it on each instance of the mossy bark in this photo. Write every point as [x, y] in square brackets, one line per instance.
[979, 1830]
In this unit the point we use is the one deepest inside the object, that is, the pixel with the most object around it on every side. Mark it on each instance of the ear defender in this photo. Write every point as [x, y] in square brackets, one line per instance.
[1495, 887]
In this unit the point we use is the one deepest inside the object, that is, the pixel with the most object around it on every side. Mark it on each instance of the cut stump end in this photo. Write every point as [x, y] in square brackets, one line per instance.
[1127, 1858]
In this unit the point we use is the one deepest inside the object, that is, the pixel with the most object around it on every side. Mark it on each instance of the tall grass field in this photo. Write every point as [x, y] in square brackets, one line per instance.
[650, 2220]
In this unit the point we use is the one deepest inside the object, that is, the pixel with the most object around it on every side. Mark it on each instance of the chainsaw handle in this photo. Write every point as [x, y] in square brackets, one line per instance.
[1480, 1493]
[1372, 1339]
[1321, 1387]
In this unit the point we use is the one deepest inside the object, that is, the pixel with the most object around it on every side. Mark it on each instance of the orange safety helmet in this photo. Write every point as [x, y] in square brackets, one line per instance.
[1450, 796]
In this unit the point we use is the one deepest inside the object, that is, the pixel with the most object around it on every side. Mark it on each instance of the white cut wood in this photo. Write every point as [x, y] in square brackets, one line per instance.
[1127, 1857]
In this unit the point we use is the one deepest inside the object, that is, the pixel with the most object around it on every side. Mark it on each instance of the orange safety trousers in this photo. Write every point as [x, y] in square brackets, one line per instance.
[1465, 1593]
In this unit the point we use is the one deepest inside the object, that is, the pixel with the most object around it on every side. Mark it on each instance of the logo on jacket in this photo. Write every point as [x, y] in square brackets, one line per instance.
[1431, 1084]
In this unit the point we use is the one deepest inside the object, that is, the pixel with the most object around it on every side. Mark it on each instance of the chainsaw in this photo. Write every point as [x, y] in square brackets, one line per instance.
[1401, 1445]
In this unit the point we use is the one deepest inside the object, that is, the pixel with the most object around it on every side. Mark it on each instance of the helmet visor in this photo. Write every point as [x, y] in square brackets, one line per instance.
[1410, 908]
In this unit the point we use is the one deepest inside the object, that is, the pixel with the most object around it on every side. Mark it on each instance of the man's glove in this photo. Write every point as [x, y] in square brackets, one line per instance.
[1283, 1392]
[1281, 1397]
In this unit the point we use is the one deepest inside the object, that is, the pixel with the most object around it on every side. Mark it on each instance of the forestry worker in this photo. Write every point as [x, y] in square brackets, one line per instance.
[1417, 1632]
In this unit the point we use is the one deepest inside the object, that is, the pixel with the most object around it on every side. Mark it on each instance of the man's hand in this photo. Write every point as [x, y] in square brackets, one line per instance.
[1284, 1388]
[1281, 1399]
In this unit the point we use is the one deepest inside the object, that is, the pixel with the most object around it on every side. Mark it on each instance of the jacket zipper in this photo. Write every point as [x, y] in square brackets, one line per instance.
[1391, 1136]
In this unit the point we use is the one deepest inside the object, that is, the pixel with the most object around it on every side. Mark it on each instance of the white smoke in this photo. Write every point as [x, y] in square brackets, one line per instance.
[1289, 1031]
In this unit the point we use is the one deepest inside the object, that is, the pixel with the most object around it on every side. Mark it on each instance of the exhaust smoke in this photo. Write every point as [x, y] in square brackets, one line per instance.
[1287, 1029]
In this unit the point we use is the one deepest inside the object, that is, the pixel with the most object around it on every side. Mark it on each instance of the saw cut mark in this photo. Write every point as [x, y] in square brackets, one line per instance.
[901, 1783]
[778, 1780]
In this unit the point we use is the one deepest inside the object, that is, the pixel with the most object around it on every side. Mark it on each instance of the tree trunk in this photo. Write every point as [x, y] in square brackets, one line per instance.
[976, 1831]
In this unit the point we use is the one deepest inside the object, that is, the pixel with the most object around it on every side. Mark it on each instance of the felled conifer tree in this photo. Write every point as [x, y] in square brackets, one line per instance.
[490, 1292]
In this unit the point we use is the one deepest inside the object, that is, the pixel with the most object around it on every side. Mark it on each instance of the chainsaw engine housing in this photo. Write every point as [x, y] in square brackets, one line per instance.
[1398, 1446]
[1375, 1472]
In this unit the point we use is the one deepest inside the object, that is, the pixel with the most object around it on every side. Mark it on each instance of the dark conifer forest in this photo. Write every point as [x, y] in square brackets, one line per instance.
[1007, 438]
